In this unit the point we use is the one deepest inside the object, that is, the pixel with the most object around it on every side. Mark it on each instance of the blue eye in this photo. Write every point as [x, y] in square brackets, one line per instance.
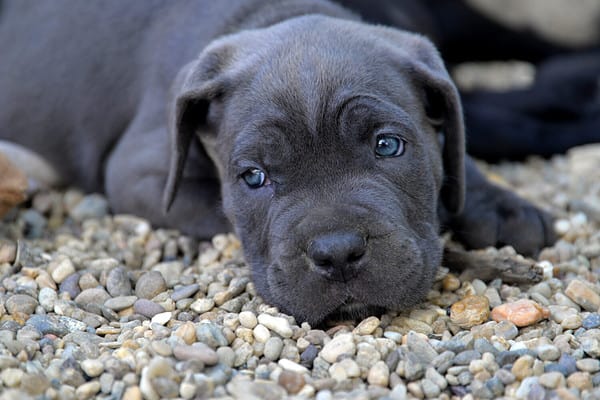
[389, 146]
[254, 178]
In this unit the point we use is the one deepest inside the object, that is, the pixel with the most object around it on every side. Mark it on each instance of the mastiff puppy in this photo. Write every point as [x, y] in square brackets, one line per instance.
[334, 148]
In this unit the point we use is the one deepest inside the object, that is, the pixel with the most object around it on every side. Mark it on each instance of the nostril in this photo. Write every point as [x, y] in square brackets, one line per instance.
[337, 253]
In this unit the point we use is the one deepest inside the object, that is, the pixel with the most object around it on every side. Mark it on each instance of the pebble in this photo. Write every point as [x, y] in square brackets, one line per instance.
[341, 344]
[198, 351]
[71, 286]
[367, 326]
[291, 381]
[149, 285]
[90, 206]
[273, 348]
[248, 319]
[118, 283]
[588, 365]
[147, 308]
[92, 368]
[470, 311]
[184, 292]
[120, 303]
[203, 305]
[584, 295]
[379, 374]
[552, 380]
[579, 380]
[521, 312]
[20, 303]
[420, 346]
[94, 296]
[591, 321]
[211, 335]
[279, 325]
[62, 270]
[548, 352]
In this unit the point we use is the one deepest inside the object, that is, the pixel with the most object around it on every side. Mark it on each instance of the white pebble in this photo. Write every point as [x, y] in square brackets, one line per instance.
[248, 319]
[261, 333]
[292, 366]
[162, 318]
[279, 325]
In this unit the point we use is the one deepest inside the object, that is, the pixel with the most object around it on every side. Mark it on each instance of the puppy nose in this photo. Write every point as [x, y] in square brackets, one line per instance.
[336, 255]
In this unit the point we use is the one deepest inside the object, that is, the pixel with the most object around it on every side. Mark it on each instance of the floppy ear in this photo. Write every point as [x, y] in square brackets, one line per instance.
[196, 85]
[443, 109]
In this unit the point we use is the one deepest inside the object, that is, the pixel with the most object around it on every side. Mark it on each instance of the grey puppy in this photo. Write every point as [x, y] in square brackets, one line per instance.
[337, 147]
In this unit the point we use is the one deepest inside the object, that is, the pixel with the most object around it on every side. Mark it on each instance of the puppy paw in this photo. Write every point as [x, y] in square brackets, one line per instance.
[497, 217]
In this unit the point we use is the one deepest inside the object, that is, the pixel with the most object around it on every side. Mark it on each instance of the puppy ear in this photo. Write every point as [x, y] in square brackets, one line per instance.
[196, 85]
[444, 112]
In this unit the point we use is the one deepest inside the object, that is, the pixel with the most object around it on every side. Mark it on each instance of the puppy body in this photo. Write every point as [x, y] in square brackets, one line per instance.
[333, 144]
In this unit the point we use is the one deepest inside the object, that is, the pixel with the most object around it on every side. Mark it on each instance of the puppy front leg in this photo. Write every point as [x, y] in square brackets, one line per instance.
[494, 216]
[135, 178]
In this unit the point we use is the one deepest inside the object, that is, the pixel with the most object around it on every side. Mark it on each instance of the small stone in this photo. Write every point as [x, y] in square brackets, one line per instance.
[289, 365]
[120, 303]
[118, 283]
[526, 386]
[591, 321]
[367, 326]
[47, 298]
[571, 322]
[261, 333]
[264, 390]
[132, 393]
[11, 377]
[20, 303]
[470, 311]
[579, 380]
[185, 292]
[591, 345]
[47, 325]
[584, 295]
[379, 374]
[420, 346]
[203, 305]
[71, 286]
[547, 352]
[341, 344]
[248, 319]
[198, 351]
[91, 206]
[93, 296]
[588, 365]
[552, 380]
[430, 389]
[521, 313]
[186, 331]
[62, 270]
[465, 357]
[211, 335]
[150, 285]
[92, 368]
[87, 390]
[292, 382]
[273, 348]
[162, 318]
[522, 367]
[147, 308]
[279, 325]
[434, 376]
[450, 283]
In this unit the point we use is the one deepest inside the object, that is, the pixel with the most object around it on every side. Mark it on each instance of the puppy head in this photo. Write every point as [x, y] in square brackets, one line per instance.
[334, 141]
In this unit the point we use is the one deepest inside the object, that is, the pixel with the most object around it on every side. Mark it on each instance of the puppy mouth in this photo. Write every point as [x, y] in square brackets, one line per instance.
[353, 310]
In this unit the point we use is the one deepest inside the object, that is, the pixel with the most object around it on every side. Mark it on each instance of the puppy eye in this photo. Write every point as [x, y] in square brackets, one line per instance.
[254, 178]
[389, 145]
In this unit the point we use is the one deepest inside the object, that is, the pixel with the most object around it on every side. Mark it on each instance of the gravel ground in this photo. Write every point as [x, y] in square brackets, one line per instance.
[94, 305]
